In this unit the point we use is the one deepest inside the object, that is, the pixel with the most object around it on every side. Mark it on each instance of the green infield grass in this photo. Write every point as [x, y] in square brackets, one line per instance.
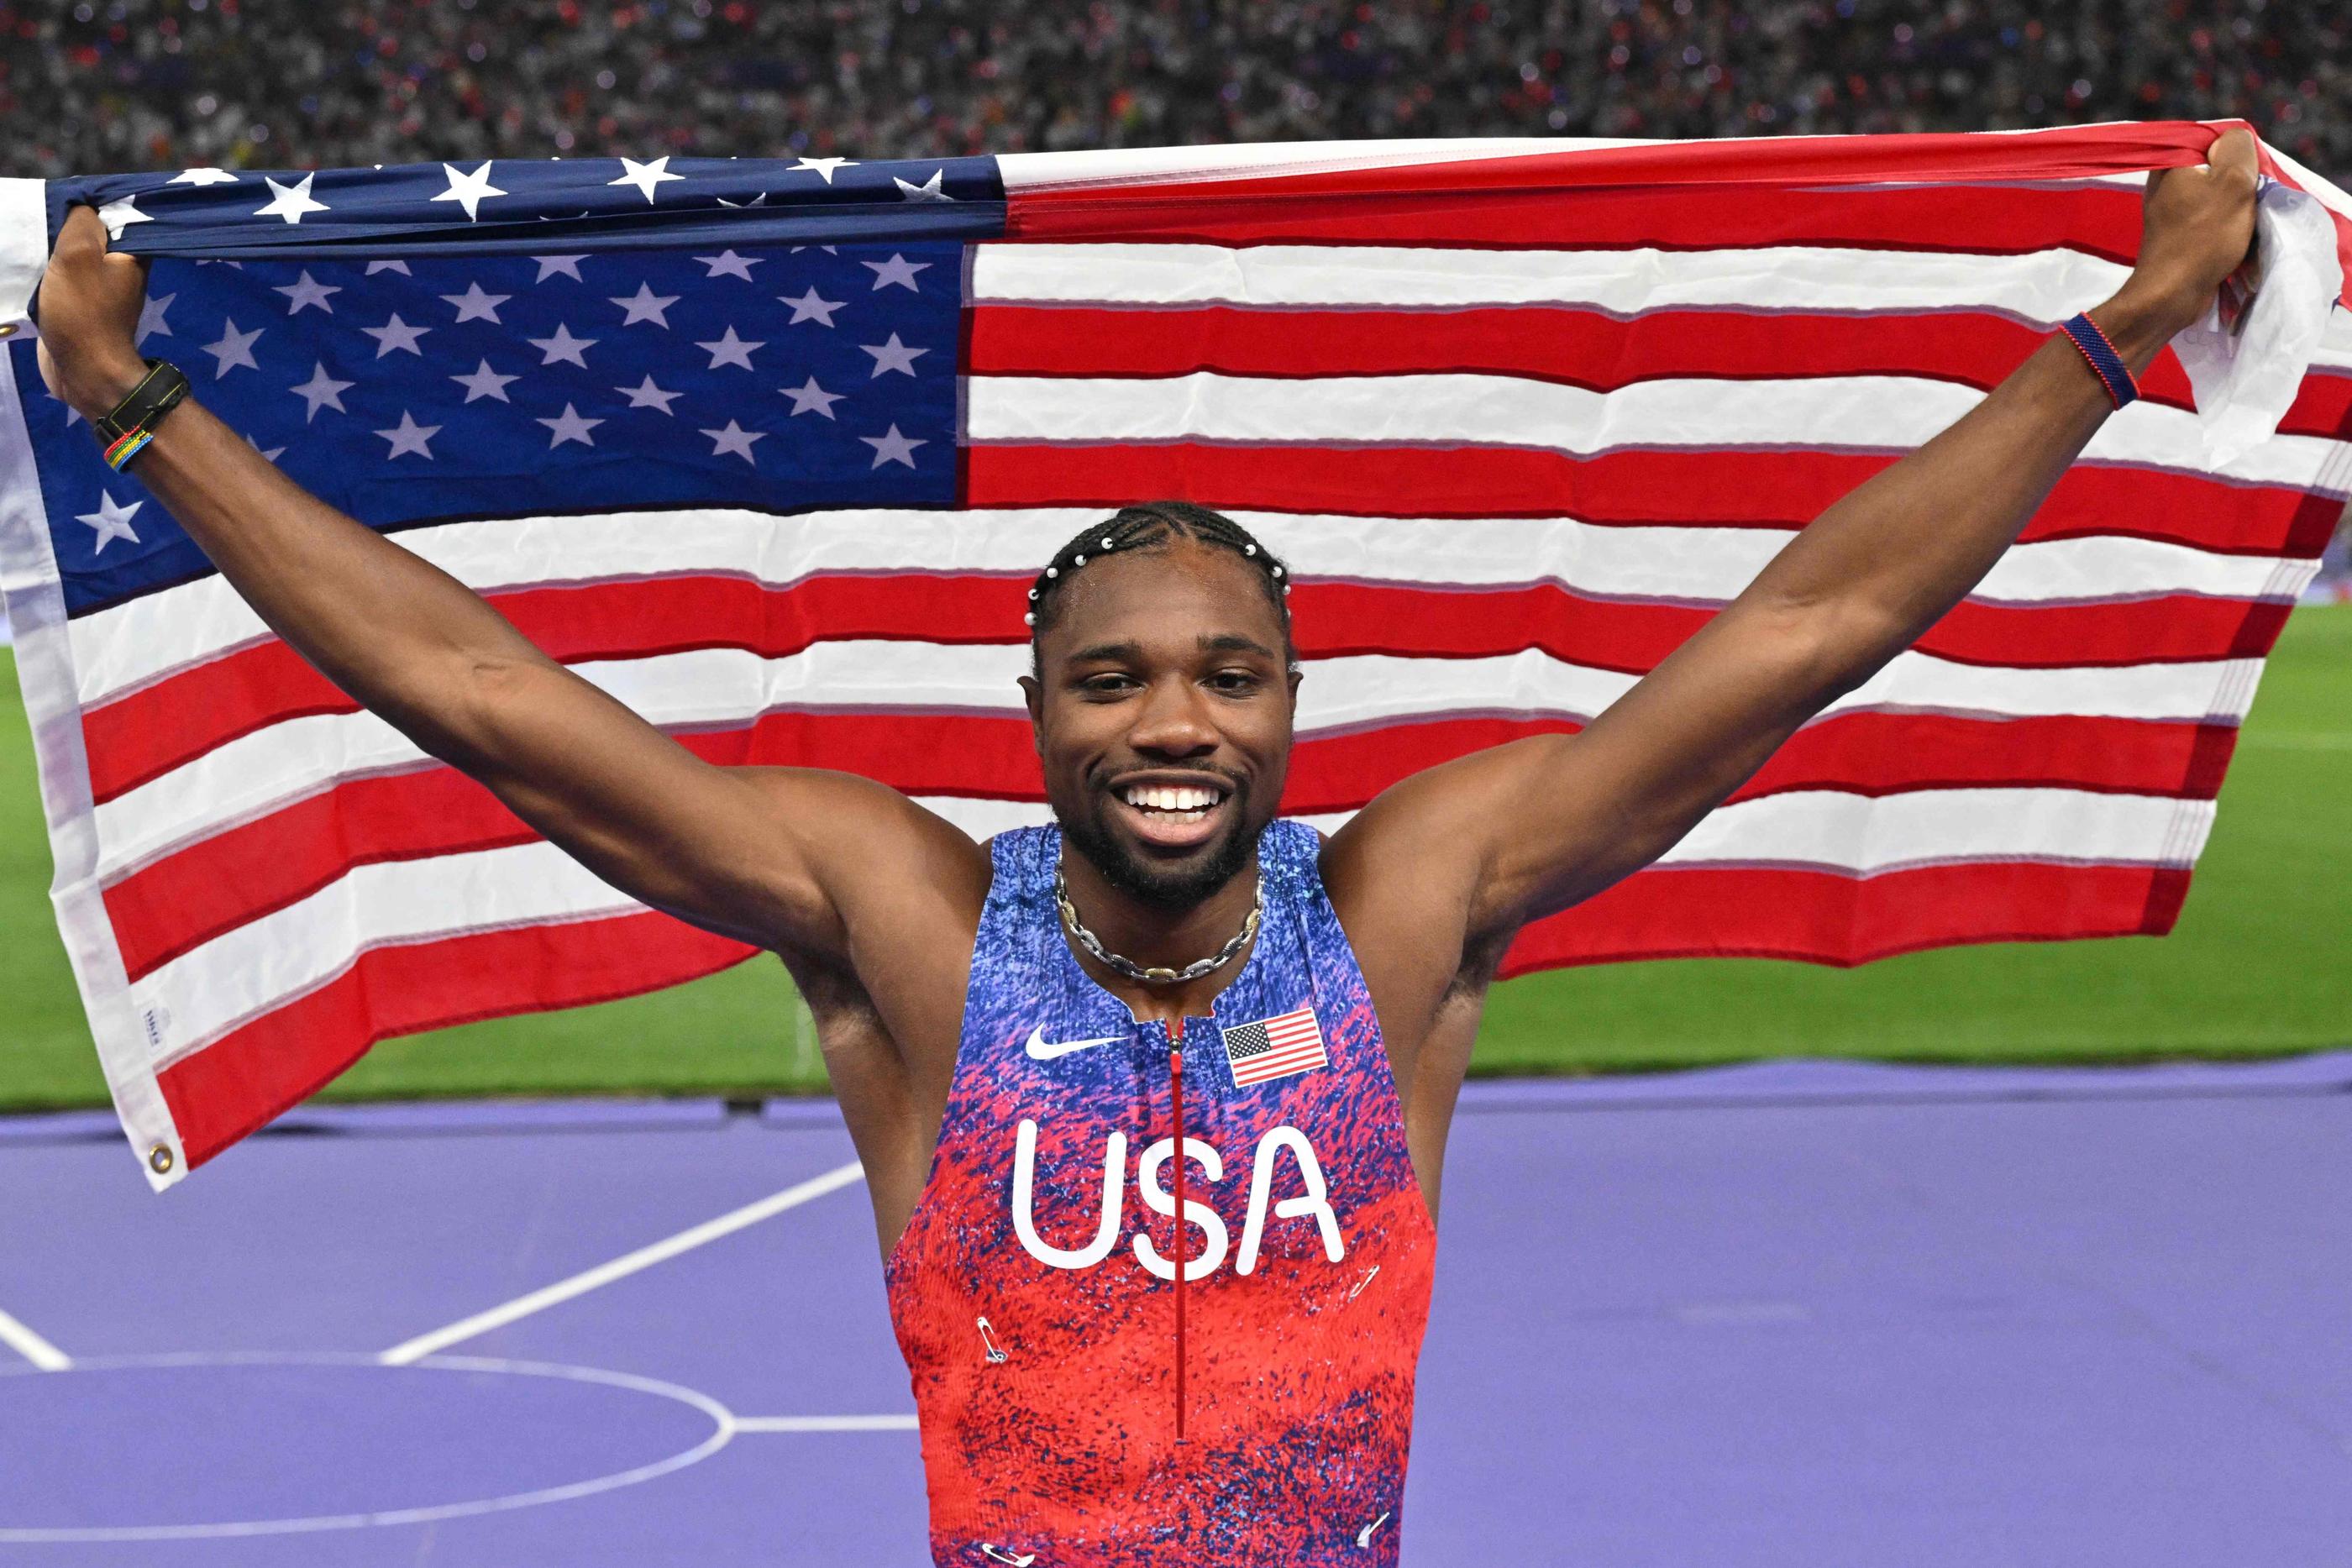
[2261, 963]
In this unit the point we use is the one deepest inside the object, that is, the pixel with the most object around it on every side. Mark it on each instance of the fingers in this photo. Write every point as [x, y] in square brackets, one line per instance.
[81, 235]
[2233, 154]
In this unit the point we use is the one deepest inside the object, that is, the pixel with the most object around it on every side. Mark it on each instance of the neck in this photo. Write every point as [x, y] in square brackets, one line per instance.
[1157, 936]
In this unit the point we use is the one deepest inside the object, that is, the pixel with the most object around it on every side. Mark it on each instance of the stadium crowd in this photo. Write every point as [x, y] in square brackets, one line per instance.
[118, 85]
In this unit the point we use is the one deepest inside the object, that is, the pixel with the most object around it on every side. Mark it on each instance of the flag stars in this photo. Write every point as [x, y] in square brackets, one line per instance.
[272, 455]
[468, 191]
[822, 168]
[736, 440]
[112, 521]
[485, 382]
[549, 265]
[396, 334]
[893, 355]
[893, 447]
[563, 346]
[570, 426]
[322, 390]
[475, 305]
[808, 307]
[897, 270]
[290, 201]
[729, 349]
[306, 291]
[646, 306]
[120, 214]
[150, 318]
[726, 263]
[233, 349]
[645, 394]
[206, 176]
[395, 265]
[645, 176]
[410, 437]
[811, 398]
[928, 191]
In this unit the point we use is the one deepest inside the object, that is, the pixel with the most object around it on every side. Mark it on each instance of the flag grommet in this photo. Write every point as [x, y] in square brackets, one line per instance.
[159, 1159]
[8, 328]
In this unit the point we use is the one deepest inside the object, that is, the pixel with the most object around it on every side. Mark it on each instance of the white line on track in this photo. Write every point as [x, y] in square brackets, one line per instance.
[32, 1347]
[621, 1268]
[824, 1423]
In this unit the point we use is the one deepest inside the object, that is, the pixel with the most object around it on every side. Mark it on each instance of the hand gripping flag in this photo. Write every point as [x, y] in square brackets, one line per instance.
[770, 451]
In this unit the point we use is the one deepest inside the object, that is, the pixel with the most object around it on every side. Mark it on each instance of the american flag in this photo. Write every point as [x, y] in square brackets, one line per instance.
[1274, 1048]
[769, 450]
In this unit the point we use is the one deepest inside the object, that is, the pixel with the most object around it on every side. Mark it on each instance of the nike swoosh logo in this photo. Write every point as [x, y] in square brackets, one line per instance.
[1041, 1049]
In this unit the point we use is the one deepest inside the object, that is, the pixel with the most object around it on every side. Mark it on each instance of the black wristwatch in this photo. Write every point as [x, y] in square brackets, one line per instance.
[131, 425]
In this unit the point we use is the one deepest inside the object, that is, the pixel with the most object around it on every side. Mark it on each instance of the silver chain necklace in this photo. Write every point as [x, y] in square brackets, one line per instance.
[1153, 975]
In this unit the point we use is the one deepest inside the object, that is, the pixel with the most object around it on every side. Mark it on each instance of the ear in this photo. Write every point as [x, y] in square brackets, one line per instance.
[1034, 695]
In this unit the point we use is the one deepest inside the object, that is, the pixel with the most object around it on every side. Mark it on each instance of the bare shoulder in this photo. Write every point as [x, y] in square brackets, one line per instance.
[874, 848]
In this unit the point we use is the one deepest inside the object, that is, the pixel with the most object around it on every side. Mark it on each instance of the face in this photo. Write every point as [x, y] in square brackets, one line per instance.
[1162, 709]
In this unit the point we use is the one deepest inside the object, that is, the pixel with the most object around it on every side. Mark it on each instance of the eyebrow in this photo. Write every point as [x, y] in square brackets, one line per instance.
[1224, 642]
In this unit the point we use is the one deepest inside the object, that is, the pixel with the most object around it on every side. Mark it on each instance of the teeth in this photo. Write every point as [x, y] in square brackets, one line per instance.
[1170, 797]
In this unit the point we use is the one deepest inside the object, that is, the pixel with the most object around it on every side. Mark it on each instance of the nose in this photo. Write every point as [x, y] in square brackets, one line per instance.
[1174, 721]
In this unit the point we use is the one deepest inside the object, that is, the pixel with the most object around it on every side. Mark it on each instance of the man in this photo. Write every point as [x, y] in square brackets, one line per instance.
[1259, 1030]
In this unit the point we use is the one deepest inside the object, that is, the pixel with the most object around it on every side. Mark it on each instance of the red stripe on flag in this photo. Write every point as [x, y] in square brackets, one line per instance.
[1825, 918]
[1716, 488]
[247, 1077]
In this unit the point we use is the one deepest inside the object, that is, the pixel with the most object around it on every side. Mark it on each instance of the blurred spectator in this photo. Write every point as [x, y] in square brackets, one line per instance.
[113, 85]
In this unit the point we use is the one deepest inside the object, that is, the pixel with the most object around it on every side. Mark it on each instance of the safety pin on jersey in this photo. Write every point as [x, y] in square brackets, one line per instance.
[1358, 1289]
[1364, 1536]
[995, 1356]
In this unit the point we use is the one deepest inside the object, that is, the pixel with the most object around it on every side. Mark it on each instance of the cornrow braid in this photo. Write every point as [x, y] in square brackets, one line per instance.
[1155, 525]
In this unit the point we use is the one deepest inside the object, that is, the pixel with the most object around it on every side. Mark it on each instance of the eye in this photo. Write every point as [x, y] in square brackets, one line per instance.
[1109, 684]
[1236, 682]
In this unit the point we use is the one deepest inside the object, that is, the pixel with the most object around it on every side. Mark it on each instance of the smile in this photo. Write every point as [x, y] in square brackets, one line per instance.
[1172, 815]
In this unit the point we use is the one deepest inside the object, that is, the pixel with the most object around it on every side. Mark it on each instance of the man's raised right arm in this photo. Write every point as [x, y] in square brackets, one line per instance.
[752, 853]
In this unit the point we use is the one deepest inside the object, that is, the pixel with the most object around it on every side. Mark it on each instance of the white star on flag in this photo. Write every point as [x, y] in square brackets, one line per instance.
[475, 305]
[202, 177]
[570, 426]
[396, 334]
[290, 201]
[759, 201]
[928, 191]
[645, 176]
[469, 190]
[729, 349]
[549, 265]
[808, 306]
[893, 355]
[645, 394]
[893, 447]
[120, 214]
[305, 290]
[726, 263]
[234, 348]
[562, 345]
[486, 383]
[322, 390]
[272, 455]
[735, 439]
[897, 270]
[646, 306]
[112, 521]
[394, 266]
[410, 436]
[150, 318]
[811, 398]
[822, 168]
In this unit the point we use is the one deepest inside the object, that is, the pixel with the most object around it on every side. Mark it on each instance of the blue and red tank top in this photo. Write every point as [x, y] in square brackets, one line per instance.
[1081, 1406]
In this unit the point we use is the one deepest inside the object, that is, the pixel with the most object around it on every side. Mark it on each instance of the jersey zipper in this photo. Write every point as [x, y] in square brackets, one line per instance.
[1176, 1098]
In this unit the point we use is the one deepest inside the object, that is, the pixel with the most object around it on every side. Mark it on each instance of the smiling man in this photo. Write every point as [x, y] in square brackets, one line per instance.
[1172, 1003]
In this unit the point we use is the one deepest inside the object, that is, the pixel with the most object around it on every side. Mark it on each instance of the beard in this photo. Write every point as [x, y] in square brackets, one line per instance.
[1161, 885]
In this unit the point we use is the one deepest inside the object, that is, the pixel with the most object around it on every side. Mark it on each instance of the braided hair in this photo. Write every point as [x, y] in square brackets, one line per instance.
[1156, 525]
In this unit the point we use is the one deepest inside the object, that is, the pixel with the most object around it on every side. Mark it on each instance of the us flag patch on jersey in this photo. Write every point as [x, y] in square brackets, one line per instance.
[1275, 1048]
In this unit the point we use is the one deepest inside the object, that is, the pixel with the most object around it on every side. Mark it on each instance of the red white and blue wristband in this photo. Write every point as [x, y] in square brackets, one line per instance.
[124, 431]
[2106, 363]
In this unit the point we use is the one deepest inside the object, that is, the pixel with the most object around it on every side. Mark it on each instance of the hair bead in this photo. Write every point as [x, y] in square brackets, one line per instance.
[1249, 549]
[1031, 618]
[1053, 572]
[1277, 571]
[1109, 543]
[1077, 563]
[1032, 593]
